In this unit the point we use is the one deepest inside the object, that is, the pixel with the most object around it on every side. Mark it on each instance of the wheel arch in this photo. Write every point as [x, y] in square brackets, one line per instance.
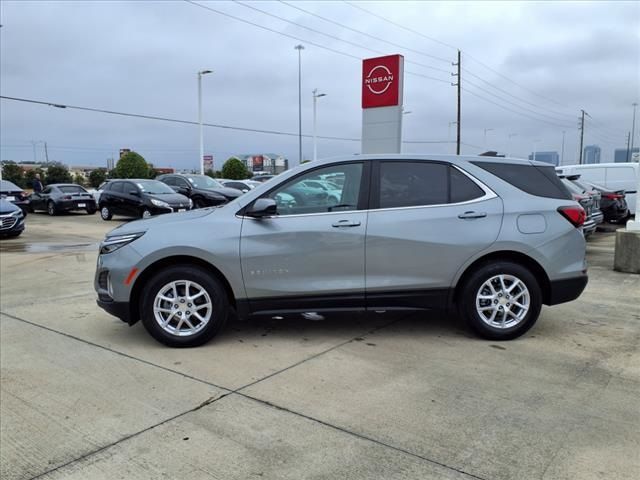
[152, 269]
[508, 255]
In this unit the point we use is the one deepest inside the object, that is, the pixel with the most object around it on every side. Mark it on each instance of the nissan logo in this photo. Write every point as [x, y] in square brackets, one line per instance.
[379, 79]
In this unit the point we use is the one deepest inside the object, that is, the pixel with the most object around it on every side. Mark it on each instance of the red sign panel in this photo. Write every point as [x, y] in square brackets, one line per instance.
[382, 81]
[257, 163]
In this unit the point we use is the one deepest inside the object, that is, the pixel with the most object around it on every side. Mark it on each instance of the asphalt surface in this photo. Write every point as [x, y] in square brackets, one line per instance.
[381, 396]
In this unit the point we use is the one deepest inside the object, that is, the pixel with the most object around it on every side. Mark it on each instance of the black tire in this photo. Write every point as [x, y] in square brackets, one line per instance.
[30, 208]
[215, 290]
[51, 208]
[105, 213]
[199, 203]
[468, 293]
[91, 210]
[145, 213]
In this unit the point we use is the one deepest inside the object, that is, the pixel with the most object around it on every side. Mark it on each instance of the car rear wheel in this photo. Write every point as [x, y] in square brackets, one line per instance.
[184, 306]
[91, 210]
[500, 300]
[145, 213]
[105, 213]
[199, 203]
[51, 208]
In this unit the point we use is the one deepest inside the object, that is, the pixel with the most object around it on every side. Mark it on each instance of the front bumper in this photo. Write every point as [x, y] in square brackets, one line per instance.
[10, 225]
[117, 309]
[566, 290]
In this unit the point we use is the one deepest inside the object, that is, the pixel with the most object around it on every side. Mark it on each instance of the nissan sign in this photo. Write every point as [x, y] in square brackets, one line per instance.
[382, 81]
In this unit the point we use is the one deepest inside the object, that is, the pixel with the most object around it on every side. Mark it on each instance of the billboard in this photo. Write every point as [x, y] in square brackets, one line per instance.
[124, 151]
[257, 163]
[207, 162]
[382, 81]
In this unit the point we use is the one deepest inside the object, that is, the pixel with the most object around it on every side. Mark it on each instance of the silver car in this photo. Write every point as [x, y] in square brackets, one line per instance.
[494, 239]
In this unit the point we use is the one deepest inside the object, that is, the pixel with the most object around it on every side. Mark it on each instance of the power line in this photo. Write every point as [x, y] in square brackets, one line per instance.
[400, 25]
[190, 122]
[299, 39]
[363, 33]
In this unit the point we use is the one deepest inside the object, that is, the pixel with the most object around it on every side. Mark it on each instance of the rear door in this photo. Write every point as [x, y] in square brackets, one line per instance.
[426, 220]
[111, 197]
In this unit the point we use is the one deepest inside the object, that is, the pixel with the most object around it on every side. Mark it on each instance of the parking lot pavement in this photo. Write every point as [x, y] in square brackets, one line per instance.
[380, 396]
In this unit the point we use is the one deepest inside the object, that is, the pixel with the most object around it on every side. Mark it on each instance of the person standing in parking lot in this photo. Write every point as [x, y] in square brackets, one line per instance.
[37, 184]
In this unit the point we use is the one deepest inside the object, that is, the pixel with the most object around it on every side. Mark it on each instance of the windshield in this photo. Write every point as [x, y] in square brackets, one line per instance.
[203, 181]
[7, 186]
[154, 187]
[72, 189]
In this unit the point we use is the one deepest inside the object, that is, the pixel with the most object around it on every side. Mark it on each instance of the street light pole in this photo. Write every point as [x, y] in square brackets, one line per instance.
[562, 151]
[299, 48]
[201, 161]
[633, 128]
[316, 96]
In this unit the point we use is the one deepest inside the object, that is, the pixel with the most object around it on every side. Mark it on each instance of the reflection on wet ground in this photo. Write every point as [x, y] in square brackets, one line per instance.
[40, 247]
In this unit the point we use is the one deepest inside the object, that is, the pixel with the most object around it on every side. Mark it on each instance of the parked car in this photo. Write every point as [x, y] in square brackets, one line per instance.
[140, 198]
[612, 204]
[243, 185]
[614, 176]
[62, 197]
[97, 191]
[262, 178]
[586, 201]
[203, 190]
[494, 239]
[11, 219]
[12, 193]
[596, 212]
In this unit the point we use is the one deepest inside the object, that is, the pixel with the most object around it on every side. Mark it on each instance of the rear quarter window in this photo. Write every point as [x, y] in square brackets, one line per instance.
[540, 181]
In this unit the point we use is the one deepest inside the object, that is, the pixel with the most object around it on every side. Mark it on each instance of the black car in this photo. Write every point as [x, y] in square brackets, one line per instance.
[613, 204]
[14, 194]
[140, 198]
[11, 219]
[62, 197]
[204, 191]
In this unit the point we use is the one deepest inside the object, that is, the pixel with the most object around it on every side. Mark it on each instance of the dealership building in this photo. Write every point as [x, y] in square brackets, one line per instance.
[264, 162]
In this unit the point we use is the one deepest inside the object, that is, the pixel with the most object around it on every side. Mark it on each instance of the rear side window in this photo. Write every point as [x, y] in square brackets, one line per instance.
[409, 184]
[532, 179]
[463, 189]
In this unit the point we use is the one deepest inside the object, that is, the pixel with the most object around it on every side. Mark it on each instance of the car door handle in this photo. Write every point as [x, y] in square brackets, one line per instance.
[346, 223]
[471, 215]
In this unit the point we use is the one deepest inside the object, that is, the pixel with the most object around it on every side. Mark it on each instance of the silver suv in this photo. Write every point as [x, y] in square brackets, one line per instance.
[494, 238]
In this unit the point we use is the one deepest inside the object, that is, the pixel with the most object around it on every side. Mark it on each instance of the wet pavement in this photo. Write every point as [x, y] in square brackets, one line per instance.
[83, 395]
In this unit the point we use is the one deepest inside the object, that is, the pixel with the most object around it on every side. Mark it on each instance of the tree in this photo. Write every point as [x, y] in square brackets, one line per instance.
[97, 176]
[13, 173]
[58, 173]
[79, 179]
[234, 169]
[304, 161]
[131, 165]
[30, 175]
[151, 172]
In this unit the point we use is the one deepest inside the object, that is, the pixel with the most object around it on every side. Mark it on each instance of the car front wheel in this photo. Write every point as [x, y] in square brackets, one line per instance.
[184, 306]
[500, 300]
[105, 213]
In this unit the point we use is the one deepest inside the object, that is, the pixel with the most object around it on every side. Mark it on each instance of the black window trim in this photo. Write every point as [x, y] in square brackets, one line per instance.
[374, 198]
[363, 196]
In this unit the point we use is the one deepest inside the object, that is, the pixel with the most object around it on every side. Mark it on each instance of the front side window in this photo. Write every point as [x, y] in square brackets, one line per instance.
[47, 190]
[301, 196]
[116, 187]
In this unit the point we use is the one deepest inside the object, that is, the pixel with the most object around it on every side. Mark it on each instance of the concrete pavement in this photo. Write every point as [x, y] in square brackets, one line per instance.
[86, 396]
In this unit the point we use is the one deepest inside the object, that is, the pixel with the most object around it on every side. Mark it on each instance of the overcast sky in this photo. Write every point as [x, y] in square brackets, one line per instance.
[142, 57]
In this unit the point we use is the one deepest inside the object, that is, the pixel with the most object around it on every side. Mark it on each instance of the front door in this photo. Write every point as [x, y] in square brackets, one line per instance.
[426, 220]
[309, 257]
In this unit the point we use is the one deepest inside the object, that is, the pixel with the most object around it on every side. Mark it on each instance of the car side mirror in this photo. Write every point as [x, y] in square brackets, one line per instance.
[134, 192]
[263, 207]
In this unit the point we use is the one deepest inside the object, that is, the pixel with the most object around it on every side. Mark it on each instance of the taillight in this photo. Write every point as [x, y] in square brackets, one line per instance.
[67, 197]
[574, 213]
[611, 196]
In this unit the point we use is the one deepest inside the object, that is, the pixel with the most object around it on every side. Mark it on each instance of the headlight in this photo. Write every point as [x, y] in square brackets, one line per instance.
[113, 243]
[17, 213]
[160, 203]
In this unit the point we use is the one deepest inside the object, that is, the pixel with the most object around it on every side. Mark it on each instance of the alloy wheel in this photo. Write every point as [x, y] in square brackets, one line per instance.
[503, 301]
[182, 308]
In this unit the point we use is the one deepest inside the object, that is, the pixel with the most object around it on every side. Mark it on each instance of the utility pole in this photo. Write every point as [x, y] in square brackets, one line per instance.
[562, 151]
[46, 153]
[628, 143]
[316, 96]
[582, 133]
[201, 137]
[633, 125]
[299, 48]
[459, 85]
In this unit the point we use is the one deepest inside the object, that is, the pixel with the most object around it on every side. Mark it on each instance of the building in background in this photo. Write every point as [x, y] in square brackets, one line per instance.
[622, 155]
[548, 157]
[591, 154]
[264, 162]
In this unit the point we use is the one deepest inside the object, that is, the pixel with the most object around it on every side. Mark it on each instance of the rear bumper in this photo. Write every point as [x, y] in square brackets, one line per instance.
[566, 290]
[68, 206]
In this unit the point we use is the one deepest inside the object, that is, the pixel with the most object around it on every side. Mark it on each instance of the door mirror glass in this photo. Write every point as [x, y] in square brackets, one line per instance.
[263, 207]
[134, 192]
